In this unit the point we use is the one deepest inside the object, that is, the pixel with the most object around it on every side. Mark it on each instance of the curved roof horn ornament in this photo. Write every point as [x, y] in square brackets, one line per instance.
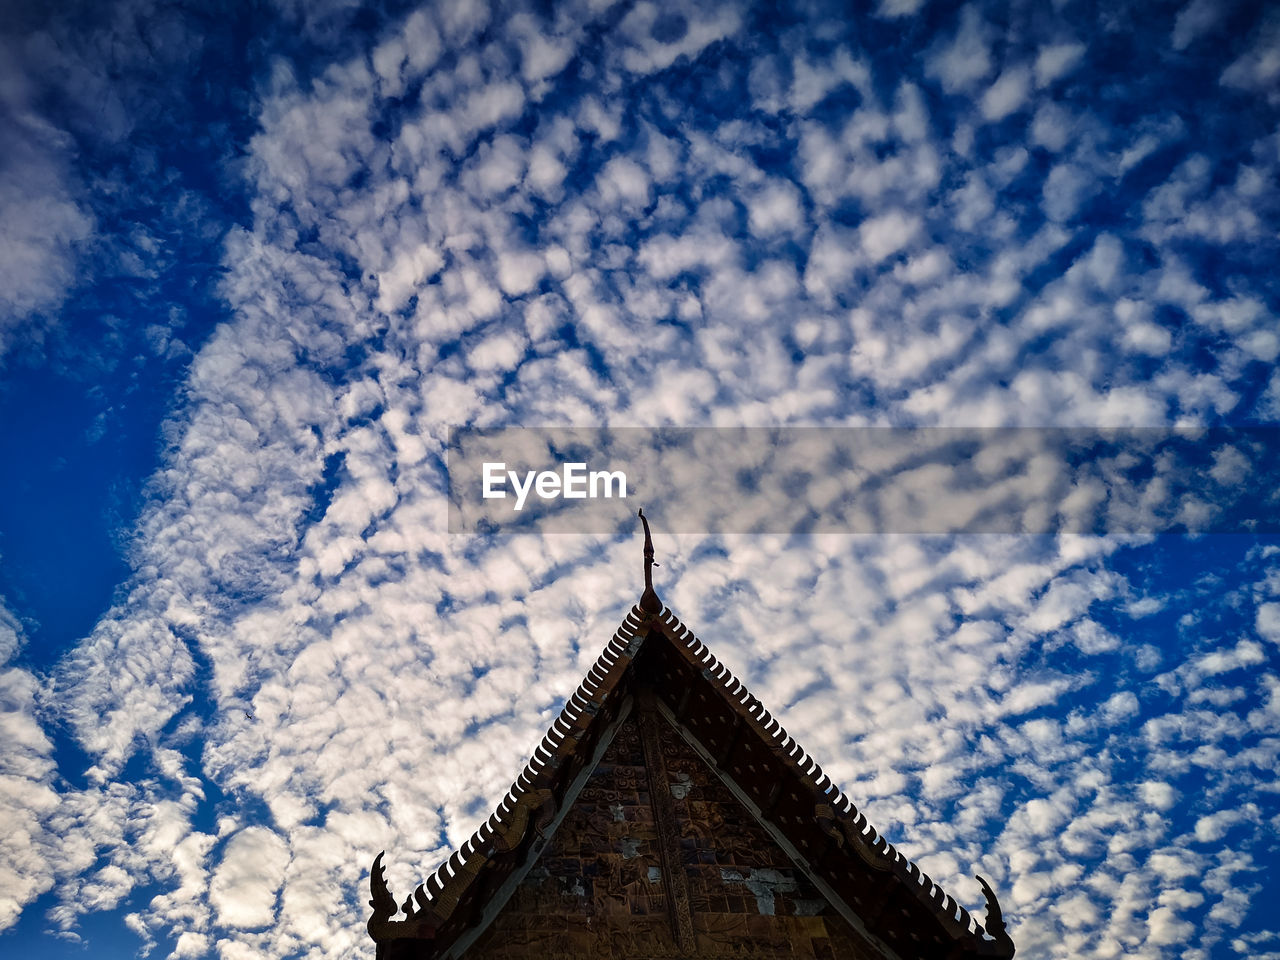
[649, 601]
[994, 923]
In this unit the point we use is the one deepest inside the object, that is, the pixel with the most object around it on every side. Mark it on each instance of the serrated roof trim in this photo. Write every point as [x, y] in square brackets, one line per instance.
[558, 742]
[957, 920]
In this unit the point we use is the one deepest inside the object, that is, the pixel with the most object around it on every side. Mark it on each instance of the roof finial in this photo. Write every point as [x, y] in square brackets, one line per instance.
[994, 923]
[649, 601]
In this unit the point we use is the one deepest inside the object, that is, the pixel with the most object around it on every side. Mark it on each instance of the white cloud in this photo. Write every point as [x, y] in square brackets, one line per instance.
[1214, 827]
[623, 182]
[543, 54]
[813, 80]
[1066, 190]
[1258, 68]
[960, 64]
[1119, 707]
[408, 55]
[27, 795]
[886, 235]
[191, 944]
[1140, 333]
[247, 881]
[46, 220]
[1052, 127]
[1007, 95]
[401, 279]
[1157, 794]
[1055, 61]
[519, 273]
[1267, 621]
[1193, 21]
[658, 36]
[775, 208]
[898, 8]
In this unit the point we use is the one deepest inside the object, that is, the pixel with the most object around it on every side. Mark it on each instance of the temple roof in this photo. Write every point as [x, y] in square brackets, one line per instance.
[655, 666]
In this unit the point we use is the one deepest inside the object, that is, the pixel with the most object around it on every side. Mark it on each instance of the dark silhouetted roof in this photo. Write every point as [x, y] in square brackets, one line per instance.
[875, 889]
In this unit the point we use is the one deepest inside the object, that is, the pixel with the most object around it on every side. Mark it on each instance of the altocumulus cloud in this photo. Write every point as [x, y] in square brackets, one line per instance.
[653, 214]
[27, 795]
[247, 881]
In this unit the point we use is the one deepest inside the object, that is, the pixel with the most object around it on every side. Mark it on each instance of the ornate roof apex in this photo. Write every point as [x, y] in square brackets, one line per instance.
[649, 601]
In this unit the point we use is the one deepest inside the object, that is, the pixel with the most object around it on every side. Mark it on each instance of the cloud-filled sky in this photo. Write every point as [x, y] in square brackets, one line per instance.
[256, 261]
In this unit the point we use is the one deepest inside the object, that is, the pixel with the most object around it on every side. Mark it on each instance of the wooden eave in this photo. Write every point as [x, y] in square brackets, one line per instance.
[866, 878]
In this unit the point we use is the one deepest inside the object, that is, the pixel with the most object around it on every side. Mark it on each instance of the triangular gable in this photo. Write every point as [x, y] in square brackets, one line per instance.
[884, 899]
[658, 858]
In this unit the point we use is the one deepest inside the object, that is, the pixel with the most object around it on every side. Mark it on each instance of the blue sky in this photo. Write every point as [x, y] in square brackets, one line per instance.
[256, 261]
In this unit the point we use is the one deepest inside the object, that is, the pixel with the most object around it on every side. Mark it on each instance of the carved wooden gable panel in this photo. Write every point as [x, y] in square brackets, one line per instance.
[657, 859]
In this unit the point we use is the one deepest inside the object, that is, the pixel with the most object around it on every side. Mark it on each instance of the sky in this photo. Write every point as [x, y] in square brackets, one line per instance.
[257, 261]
